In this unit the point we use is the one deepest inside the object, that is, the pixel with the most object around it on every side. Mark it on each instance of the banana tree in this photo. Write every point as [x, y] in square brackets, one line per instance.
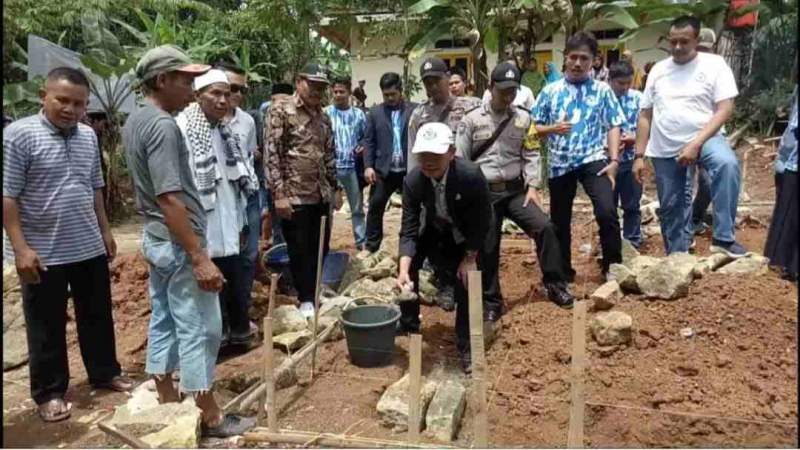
[587, 14]
[541, 19]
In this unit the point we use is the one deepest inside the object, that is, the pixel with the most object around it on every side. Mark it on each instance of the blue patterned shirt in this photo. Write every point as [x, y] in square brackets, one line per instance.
[349, 126]
[630, 107]
[397, 141]
[591, 107]
[787, 152]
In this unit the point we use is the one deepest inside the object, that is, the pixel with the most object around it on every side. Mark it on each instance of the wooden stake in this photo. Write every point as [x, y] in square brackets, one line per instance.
[329, 440]
[475, 291]
[273, 288]
[268, 402]
[128, 439]
[320, 262]
[415, 377]
[577, 394]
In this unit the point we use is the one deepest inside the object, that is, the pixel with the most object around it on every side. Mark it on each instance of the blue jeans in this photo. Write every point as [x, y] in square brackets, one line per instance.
[349, 180]
[674, 184]
[185, 321]
[628, 195]
[703, 197]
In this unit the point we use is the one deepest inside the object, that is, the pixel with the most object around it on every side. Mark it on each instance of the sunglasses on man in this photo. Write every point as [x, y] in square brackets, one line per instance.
[238, 89]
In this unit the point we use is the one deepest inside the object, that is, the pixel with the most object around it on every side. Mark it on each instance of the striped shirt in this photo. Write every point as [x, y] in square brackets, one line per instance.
[349, 126]
[53, 176]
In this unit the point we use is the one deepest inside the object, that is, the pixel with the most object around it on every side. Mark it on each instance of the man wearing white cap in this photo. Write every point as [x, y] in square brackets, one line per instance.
[224, 180]
[458, 216]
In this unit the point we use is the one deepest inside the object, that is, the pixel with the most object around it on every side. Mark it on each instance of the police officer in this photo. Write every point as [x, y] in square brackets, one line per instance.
[499, 137]
[448, 109]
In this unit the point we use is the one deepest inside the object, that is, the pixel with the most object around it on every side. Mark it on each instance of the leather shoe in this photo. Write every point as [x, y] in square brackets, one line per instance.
[118, 383]
[558, 293]
[491, 315]
[465, 357]
[404, 328]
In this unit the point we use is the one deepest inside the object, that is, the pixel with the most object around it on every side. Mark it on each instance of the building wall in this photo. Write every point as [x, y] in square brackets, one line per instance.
[377, 58]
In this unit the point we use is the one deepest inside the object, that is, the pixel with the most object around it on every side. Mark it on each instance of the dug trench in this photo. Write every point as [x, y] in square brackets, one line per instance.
[732, 383]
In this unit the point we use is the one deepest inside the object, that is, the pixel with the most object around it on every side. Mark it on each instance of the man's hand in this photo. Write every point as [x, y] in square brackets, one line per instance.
[610, 170]
[532, 197]
[206, 272]
[370, 175]
[284, 209]
[689, 154]
[638, 170]
[359, 149]
[626, 140]
[338, 199]
[257, 154]
[404, 281]
[562, 128]
[28, 266]
[468, 263]
[111, 246]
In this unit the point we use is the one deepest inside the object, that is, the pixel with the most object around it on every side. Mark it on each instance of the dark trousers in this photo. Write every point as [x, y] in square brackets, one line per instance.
[45, 308]
[628, 194]
[598, 188]
[302, 241]
[536, 225]
[439, 246]
[234, 299]
[379, 195]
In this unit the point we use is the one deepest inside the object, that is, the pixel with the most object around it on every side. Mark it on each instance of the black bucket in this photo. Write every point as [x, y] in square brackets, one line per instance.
[370, 332]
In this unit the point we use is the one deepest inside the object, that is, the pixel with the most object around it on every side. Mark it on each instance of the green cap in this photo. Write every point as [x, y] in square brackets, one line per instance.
[167, 58]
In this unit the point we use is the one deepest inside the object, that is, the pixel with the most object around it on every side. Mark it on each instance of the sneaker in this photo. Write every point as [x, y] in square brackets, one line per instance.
[307, 309]
[232, 425]
[700, 227]
[732, 249]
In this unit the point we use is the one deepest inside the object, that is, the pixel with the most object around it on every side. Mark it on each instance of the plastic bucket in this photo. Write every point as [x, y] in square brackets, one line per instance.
[370, 332]
[333, 269]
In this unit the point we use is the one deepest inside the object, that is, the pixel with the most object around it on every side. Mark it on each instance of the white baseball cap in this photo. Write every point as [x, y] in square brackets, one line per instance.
[433, 137]
[209, 78]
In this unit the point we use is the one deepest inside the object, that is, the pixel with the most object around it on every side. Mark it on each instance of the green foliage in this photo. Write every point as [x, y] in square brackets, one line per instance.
[22, 99]
[761, 107]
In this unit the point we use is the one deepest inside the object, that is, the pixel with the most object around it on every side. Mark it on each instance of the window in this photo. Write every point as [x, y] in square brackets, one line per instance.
[608, 34]
[451, 43]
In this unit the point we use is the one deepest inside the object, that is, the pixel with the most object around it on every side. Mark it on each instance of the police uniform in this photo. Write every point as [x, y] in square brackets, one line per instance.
[511, 165]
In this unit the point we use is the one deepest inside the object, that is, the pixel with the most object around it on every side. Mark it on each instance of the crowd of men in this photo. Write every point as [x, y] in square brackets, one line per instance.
[210, 180]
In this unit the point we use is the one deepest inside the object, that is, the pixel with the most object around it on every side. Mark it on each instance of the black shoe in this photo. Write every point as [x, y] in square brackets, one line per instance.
[558, 293]
[232, 425]
[465, 357]
[404, 328]
[445, 299]
[491, 315]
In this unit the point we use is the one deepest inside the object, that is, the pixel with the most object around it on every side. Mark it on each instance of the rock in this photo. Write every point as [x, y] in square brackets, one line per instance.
[611, 328]
[323, 323]
[723, 361]
[12, 314]
[386, 268]
[648, 211]
[396, 201]
[624, 277]
[293, 340]
[393, 404]
[10, 278]
[754, 264]
[687, 332]
[606, 296]
[668, 279]
[510, 227]
[629, 252]
[446, 409]
[686, 369]
[287, 319]
[640, 263]
[685, 260]
[390, 246]
[427, 290]
[717, 260]
[607, 350]
[382, 290]
[15, 345]
[171, 425]
[651, 230]
[333, 307]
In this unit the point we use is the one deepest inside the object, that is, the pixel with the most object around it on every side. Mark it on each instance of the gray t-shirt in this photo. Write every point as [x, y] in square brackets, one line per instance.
[159, 163]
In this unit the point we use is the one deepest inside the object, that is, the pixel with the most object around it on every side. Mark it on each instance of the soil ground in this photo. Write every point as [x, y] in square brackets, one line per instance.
[733, 384]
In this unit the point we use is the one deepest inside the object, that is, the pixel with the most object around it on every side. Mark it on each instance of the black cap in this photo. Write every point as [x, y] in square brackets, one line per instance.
[315, 72]
[505, 75]
[433, 67]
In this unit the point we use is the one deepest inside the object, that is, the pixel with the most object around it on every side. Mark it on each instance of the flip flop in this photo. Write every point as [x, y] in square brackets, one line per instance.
[55, 410]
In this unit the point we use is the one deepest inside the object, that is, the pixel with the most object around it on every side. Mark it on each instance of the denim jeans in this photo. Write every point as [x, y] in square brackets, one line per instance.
[355, 198]
[674, 184]
[185, 321]
[703, 197]
[628, 195]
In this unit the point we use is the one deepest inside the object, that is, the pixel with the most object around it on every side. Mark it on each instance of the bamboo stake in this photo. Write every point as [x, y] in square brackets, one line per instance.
[132, 441]
[322, 228]
[329, 440]
[415, 376]
[577, 394]
[273, 288]
[475, 291]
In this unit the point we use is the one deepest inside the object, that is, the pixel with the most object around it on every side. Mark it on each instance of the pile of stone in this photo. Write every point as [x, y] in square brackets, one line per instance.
[442, 404]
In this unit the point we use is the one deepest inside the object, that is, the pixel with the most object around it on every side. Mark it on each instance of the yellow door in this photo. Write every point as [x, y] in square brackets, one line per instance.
[542, 57]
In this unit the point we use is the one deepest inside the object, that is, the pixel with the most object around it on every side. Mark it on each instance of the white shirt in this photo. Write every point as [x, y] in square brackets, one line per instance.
[523, 98]
[683, 98]
[245, 127]
[228, 218]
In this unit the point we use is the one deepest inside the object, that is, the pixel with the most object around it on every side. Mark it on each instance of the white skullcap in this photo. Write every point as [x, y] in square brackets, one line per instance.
[210, 77]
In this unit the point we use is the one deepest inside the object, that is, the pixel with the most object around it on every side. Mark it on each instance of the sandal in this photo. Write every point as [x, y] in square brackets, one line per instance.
[55, 410]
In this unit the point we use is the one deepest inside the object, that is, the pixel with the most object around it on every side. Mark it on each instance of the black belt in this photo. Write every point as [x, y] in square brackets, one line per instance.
[504, 186]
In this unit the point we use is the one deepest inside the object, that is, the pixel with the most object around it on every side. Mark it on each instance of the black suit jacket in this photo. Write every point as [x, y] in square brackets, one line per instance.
[379, 139]
[468, 204]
